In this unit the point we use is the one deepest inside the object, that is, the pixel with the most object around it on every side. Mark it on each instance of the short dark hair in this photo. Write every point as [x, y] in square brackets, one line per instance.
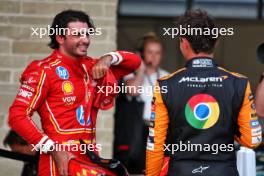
[198, 19]
[62, 19]
[13, 138]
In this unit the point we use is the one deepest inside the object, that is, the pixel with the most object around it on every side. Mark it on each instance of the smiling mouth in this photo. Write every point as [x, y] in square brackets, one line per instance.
[83, 48]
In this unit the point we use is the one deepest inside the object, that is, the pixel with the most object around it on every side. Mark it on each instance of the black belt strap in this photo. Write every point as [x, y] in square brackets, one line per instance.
[17, 156]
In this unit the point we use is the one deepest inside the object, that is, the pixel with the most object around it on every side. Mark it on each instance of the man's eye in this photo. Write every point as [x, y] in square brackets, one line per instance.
[83, 35]
[75, 34]
[78, 34]
[87, 34]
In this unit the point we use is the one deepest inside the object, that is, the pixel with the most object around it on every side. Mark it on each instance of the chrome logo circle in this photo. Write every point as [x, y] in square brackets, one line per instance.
[202, 111]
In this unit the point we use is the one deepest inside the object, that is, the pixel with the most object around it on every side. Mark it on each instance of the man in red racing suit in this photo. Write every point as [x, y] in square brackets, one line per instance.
[61, 89]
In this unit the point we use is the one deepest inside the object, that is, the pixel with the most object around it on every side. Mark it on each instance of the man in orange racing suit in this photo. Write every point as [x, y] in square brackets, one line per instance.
[202, 111]
[61, 88]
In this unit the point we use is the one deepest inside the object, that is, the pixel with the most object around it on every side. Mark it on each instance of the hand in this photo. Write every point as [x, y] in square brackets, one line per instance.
[62, 159]
[141, 68]
[101, 67]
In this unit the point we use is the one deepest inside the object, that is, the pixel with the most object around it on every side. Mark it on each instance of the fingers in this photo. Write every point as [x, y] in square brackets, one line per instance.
[65, 168]
[101, 67]
[71, 156]
[99, 71]
[59, 165]
[66, 164]
[62, 162]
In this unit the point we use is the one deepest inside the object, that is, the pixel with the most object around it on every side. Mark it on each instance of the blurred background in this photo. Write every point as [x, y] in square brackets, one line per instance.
[236, 52]
[122, 23]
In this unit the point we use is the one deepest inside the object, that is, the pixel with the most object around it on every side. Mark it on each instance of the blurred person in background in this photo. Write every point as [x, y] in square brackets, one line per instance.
[19, 145]
[133, 108]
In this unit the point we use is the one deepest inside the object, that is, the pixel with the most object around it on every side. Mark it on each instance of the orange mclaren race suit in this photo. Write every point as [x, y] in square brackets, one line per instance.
[62, 91]
[196, 119]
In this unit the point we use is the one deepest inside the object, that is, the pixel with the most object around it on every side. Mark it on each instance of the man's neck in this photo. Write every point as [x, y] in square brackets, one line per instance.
[193, 55]
[63, 52]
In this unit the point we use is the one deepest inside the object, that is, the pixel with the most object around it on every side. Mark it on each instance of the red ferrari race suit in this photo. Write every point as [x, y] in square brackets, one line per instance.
[60, 89]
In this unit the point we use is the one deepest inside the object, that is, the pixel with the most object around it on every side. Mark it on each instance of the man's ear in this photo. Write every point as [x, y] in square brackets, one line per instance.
[216, 43]
[180, 39]
[185, 43]
[60, 39]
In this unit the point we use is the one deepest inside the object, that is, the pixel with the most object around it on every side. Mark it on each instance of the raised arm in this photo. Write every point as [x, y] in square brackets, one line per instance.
[124, 63]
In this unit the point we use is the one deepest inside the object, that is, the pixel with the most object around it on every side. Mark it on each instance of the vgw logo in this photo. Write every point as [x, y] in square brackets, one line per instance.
[69, 100]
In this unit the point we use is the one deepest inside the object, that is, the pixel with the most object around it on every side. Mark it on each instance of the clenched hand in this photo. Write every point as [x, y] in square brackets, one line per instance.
[101, 67]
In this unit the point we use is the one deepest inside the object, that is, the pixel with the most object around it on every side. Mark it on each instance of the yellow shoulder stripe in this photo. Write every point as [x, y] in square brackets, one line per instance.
[172, 74]
[233, 73]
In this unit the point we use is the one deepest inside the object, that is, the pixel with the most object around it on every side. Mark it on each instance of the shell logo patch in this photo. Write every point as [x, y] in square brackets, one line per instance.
[202, 111]
[67, 87]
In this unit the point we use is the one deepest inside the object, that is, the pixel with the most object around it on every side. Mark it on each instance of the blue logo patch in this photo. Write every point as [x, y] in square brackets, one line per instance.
[202, 111]
[254, 123]
[62, 72]
[152, 116]
[89, 120]
[80, 115]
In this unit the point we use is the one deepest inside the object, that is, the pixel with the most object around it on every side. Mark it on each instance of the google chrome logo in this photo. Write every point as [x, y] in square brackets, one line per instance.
[202, 111]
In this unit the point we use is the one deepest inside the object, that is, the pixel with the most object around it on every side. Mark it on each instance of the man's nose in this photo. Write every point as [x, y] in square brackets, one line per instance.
[85, 39]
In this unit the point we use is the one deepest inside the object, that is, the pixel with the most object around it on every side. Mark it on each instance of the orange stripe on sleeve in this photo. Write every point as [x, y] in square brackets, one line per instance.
[38, 92]
[249, 125]
[156, 138]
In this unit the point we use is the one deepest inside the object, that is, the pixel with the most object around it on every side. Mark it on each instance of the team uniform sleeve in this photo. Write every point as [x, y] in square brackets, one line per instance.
[32, 92]
[123, 63]
[157, 136]
[249, 126]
